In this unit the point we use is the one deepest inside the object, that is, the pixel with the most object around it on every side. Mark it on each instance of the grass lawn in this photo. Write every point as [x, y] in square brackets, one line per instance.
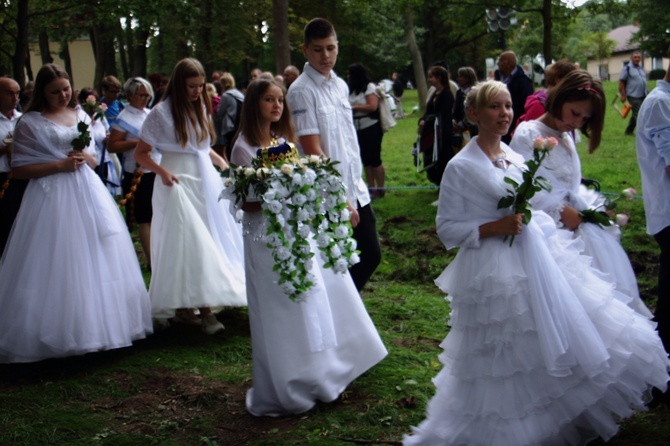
[181, 387]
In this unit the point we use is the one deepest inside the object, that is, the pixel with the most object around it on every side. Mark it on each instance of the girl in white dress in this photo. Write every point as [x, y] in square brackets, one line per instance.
[302, 351]
[123, 138]
[196, 245]
[69, 278]
[540, 351]
[580, 104]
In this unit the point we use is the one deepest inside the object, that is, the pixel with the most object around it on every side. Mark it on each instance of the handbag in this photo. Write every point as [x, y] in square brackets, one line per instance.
[385, 115]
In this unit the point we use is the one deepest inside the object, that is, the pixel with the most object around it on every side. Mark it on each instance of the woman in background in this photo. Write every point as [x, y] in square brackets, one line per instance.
[365, 105]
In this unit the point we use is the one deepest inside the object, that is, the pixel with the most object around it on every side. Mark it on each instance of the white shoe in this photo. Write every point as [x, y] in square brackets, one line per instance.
[211, 325]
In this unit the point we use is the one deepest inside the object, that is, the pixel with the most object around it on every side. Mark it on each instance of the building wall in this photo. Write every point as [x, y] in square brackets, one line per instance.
[614, 65]
[81, 55]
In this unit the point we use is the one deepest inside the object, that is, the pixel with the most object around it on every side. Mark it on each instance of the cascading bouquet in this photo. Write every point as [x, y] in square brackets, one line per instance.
[602, 215]
[96, 110]
[300, 196]
[519, 199]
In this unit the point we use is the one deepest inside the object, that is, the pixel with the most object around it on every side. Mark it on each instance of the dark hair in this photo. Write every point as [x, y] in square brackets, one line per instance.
[317, 28]
[579, 85]
[110, 81]
[251, 123]
[557, 71]
[358, 78]
[47, 74]
[85, 92]
[218, 86]
[183, 108]
[469, 74]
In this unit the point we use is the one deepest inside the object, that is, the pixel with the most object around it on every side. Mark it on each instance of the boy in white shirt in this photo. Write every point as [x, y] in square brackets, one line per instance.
[323, 121]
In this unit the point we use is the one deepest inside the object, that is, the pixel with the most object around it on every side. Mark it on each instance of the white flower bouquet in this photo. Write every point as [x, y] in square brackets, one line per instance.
[300, 196]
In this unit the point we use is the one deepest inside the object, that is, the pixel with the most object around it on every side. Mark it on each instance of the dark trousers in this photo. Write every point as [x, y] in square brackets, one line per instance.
[9, 206]
[662, 314]
[368, 244]
[635, 104]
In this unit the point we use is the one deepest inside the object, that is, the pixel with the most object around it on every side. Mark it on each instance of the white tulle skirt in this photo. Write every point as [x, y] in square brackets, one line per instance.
[189, 267]
[540, 352]
[289, 374]
[70, 282]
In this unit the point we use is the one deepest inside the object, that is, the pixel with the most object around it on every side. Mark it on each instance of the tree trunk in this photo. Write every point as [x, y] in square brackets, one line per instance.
[282, 46]
[65, 55]
[417, 61]
[21, 44]
[546, 20]
[139, 52]
[125, 50]
[45, 52]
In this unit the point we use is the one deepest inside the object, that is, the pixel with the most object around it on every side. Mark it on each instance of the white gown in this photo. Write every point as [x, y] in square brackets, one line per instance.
[563, 169]
[307, 351]
[70, 282]
[196, 245]
[540, 352]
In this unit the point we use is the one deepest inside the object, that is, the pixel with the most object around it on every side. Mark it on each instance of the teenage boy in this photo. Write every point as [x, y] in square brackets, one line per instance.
[324, 125]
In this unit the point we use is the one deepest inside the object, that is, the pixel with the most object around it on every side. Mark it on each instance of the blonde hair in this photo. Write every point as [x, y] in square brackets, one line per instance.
[482, 93]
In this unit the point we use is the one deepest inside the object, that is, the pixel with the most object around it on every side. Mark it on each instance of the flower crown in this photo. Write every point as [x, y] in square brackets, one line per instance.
[277, 155]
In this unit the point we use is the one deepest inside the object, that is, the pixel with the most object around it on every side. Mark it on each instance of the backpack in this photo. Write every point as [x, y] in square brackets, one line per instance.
[385, 115]
[230, 136]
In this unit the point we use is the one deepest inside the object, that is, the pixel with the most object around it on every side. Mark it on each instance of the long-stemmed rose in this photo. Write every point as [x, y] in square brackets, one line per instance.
[602, 214]
[518, 200]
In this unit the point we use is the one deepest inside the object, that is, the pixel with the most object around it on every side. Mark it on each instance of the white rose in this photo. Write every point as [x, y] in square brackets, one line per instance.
[310, 176]
[288, 288]
[354, 259]
[282, 253]
[323, 240]
[345, 215]
[310, 194]
[275, 206]
[302, 215]
[287, 169]
[297, 179]
[299, 199]
[314, 158]
[303, 231]
[248, 171]
[342, 231]
[341, 265]
[335, 251]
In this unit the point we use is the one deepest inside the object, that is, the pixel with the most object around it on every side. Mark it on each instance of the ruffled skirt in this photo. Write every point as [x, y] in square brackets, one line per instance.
[541, 351]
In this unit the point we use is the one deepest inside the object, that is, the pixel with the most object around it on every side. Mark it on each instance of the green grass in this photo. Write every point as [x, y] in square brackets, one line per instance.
[180, 387]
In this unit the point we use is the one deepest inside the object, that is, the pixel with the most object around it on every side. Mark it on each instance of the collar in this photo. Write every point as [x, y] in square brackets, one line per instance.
[317, 77]
[15, 115]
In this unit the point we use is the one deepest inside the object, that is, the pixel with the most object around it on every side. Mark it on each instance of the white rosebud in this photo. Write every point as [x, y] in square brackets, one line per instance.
[314, 158]
[621, 219]
[248, 171]
[273, 240]
[228, 182]
[297, 179]
[345, 215]
[287, 169]
[354, 259]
